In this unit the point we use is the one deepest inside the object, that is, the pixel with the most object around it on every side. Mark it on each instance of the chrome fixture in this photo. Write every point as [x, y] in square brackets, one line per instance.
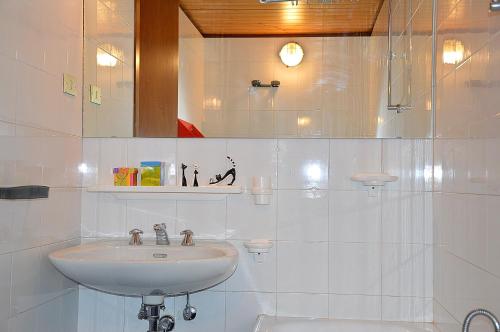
[151, 313]
[188, 238]
[161, 234]
[480, 312]
[495, 5]
[189, 312]
[135, 238]
[259, 84]
[294, 2]
[390, 56]
[166, 323]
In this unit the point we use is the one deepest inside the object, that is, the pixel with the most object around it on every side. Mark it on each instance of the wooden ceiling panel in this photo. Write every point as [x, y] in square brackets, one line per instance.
[251, 18]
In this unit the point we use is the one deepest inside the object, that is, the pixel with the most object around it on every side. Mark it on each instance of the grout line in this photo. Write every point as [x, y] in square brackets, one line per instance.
[329, 230]
[276, 216]
[11, 284]
[64, 293]
[381, 245]
[443, 247]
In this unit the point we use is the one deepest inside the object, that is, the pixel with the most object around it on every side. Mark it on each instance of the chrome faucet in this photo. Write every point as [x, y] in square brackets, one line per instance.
[135, 237]
[480, 312]
[161, 234]
[188, 238]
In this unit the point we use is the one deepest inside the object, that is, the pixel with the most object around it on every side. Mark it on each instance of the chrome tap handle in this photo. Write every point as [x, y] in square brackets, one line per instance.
[495, 5]
[160, 227]
[135, 239]
[188, 238]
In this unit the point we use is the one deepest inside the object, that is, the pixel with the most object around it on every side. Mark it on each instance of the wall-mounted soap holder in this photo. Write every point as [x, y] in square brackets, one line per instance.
[373, 180]
[24, 192]
[259, 248]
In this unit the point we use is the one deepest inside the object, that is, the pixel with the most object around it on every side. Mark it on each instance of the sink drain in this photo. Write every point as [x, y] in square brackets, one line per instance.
[157, 255]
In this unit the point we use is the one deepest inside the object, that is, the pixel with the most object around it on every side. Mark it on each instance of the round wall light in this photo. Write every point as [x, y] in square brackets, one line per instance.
[453, 51]
[291, 54]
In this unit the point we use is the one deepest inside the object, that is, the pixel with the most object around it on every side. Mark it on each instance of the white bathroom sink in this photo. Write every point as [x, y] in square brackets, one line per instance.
[118, 268]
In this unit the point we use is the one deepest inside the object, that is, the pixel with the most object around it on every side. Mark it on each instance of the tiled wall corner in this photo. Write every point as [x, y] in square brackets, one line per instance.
[40, 140]
[466, 165]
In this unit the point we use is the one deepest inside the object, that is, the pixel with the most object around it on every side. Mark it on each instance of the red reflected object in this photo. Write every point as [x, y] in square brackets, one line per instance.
[187, 129]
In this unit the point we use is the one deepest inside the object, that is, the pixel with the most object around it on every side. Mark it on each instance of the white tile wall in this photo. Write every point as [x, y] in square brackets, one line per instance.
[109, 30]
[358, 263]
[318, 98]
[337, 252]
[355, 268]
[40, 140]
[466, 167]
[355, 307]
[191, 71]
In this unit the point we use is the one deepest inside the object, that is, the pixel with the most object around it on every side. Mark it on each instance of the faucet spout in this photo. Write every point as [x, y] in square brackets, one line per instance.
[480, 312]
[161, 234]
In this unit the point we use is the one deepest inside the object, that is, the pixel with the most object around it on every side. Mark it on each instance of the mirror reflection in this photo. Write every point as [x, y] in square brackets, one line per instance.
[258, 69]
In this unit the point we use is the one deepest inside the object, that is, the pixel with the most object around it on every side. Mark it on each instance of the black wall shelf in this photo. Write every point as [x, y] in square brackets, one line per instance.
[24, 192]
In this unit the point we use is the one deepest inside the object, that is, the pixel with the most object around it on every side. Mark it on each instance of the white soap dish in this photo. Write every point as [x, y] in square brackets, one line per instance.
[374, 179]
[259, 248]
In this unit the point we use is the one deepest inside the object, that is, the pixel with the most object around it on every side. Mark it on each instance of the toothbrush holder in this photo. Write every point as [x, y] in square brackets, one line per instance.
[262, 190]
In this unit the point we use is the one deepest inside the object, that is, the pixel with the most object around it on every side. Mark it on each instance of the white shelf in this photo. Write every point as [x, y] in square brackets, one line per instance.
[144, 192]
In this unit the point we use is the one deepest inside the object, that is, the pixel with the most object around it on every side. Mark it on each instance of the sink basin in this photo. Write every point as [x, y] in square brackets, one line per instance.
[147, 270]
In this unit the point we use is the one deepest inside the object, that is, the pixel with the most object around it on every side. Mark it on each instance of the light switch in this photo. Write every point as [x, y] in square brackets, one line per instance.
[69, 84]
[95, 94]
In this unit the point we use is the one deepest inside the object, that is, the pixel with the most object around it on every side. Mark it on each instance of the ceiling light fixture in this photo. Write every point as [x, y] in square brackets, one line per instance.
[104, 59]
[291, 54]
[453, 51]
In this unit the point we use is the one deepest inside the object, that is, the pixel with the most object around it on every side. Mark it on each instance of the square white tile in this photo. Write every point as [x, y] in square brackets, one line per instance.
[307, 263]
[355, 217]
[248, 221]
[303, 164]
[355, 268]
[303, 215]
[404, 217]
[403, 270]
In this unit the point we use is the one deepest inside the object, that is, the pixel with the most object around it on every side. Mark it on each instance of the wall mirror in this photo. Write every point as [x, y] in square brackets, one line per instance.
[257, 68]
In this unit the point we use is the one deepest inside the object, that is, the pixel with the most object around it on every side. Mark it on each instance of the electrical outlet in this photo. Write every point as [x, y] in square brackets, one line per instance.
[69, 84]
[95, 94]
